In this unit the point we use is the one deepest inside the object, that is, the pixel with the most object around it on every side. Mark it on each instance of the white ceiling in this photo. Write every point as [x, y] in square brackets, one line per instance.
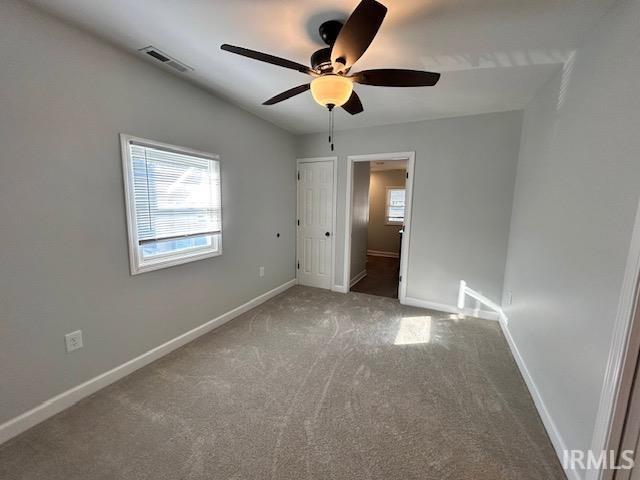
[493, 54]
[382, 165]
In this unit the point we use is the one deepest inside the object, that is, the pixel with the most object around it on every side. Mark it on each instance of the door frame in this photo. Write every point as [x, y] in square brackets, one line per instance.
[333, 159]
[623, 357]
[410, 157]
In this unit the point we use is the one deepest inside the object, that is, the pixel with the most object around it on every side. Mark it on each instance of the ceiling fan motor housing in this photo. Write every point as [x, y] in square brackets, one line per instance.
[321, 60]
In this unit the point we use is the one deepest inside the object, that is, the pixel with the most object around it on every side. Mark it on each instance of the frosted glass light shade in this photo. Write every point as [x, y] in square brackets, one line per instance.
[331, 90]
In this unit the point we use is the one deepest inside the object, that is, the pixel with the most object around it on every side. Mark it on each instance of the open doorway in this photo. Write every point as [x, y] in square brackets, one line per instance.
[377, 223]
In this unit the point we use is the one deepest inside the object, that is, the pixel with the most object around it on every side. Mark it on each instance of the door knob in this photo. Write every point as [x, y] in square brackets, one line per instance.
[327, 234]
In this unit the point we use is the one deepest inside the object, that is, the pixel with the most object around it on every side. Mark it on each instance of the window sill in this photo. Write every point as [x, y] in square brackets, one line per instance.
[172, 262]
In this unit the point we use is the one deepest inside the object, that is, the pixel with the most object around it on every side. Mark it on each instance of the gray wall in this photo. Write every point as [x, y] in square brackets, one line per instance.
[463, 191]
[359, 218]
[64, 98]
[576, 196]
[383, 237]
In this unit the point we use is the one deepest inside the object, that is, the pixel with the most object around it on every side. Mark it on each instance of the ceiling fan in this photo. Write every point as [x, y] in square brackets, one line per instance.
[333, 84]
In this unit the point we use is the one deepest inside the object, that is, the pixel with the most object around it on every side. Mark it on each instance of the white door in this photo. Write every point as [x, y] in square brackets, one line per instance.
[315, 218]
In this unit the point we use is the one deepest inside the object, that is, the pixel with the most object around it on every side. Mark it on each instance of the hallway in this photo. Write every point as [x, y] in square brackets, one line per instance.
[381, 279]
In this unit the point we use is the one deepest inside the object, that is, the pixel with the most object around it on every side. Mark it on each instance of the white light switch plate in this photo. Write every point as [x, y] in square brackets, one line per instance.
[73, 340]
[261, 272]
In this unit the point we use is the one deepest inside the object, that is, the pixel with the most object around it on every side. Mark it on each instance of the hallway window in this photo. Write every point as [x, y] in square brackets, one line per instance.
[395, 205]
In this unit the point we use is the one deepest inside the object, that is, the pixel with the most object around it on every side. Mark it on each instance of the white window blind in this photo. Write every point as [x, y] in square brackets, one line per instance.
[395, 205]
[174, 204]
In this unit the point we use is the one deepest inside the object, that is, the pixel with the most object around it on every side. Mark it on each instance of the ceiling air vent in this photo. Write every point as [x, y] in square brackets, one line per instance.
[162, 57]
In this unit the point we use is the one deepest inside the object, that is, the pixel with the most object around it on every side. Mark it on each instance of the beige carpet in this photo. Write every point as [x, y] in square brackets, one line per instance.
[310, 385]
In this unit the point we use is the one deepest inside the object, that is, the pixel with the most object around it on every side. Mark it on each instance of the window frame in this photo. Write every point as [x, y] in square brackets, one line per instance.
[386, 205]
[136, 263]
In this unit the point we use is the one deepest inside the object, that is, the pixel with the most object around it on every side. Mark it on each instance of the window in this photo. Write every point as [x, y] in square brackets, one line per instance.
[174, 210]
[395, 205]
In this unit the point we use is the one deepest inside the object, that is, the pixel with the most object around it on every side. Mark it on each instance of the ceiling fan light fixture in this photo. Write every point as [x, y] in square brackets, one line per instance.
[331, 90]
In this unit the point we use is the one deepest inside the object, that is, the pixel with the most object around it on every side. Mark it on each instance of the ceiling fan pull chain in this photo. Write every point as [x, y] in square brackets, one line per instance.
[332, 136]
[330, 108]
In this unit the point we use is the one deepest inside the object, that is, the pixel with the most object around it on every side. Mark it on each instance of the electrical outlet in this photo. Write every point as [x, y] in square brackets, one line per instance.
[73, 340]
[261, 272]
[508, 297]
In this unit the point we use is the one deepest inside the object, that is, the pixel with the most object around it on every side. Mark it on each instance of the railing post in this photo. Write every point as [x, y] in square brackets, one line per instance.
[461, 294]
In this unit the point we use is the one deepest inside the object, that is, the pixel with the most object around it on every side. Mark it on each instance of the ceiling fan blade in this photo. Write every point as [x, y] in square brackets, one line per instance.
[353, 105]
[357, 33]
[265, 57]
[288, 94]
[392, 77]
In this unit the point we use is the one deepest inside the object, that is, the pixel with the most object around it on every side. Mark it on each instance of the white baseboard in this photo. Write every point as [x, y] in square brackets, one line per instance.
[339, 289]
[66, 399]
[357, 278]
[549, 424]
[442, 307]
[380, 253]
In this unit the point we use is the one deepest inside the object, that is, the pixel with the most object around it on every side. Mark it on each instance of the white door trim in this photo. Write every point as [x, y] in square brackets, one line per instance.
[410, 157]
[335, 210]
[618, 352]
